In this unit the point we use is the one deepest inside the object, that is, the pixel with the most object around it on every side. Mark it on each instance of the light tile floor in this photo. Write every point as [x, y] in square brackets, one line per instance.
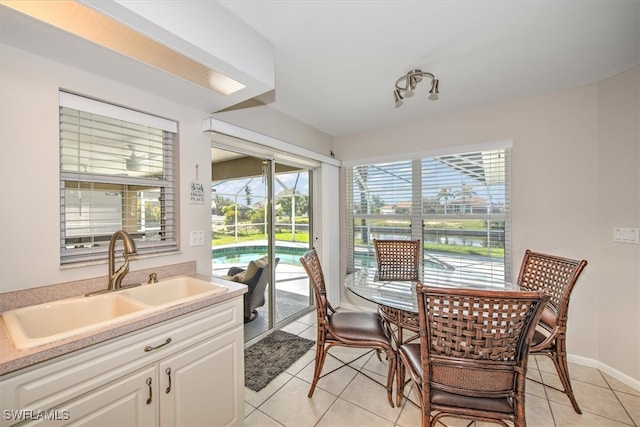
[347, 398]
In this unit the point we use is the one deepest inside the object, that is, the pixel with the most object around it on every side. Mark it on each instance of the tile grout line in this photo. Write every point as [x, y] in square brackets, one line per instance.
[362, 369]
[618, 399]
[546, 394]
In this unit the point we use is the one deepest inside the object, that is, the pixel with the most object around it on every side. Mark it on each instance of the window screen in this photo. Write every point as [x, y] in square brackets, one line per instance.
[117, 171]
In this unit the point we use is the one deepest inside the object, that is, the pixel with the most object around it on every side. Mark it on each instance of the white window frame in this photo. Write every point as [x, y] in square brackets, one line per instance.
[119, 186]
[412, 225]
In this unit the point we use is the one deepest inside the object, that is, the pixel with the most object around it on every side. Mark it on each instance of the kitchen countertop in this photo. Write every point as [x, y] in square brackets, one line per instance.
[13, 359]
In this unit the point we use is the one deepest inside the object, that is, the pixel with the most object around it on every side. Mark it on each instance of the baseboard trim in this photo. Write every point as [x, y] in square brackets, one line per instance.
[612, 372]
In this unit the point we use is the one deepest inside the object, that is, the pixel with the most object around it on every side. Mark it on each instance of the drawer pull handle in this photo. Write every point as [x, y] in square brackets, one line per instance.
[150, 393]
[168, 372]
[150, 348]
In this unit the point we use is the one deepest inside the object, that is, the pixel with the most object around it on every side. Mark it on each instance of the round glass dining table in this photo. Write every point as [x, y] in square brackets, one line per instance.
[396, 299]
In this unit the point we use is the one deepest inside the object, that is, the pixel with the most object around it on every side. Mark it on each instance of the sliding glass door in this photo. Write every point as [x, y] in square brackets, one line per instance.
[261, 225]
[292, 237]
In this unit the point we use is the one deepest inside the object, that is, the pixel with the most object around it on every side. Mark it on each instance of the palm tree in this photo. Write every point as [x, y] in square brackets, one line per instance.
[247, 193]
[445, 194]
[465, 192]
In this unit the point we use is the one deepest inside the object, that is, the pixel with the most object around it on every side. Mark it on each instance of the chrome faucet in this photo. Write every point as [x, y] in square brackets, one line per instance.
[116, 276]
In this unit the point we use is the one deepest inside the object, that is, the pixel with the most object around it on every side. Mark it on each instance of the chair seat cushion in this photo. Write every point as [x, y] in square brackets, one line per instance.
[411, 351]
[358, 326]
[549, 317]
[239, 277]
[439, 397]
[538, 337]
[253, 268]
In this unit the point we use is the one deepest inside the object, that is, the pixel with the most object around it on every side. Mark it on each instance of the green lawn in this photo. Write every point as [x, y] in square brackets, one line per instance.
[303, 237]
[222, 239]
[465, 250]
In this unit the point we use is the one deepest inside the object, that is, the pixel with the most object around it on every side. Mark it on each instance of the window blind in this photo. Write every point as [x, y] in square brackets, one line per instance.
[457, 204]
[115, 174]
[383, 188]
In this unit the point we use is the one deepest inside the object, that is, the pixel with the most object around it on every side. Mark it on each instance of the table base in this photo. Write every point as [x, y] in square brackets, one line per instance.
[395, 322]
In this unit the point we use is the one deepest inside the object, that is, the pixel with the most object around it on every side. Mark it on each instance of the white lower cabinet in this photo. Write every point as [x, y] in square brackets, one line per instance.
[184, 372]
[201, 384]
[121, 403]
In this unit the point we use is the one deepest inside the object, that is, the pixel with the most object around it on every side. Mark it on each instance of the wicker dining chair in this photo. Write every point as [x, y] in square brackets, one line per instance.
[344, 328]
[471, 361]
[556, 276]
[397, 259]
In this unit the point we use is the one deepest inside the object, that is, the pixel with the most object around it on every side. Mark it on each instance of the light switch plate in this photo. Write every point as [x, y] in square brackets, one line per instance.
[626, 235]
[196, 238]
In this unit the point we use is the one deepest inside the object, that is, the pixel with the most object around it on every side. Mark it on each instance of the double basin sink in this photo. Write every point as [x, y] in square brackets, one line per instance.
[45, 323]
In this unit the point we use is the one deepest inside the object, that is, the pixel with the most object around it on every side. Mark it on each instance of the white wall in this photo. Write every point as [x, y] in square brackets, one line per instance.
[619, 193]
[574, 174]
[267, 121]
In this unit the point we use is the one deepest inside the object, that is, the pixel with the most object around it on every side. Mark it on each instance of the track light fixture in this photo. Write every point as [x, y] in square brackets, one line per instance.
[406, 84]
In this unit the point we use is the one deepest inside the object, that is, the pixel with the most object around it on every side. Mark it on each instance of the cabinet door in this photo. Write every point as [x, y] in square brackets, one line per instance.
[204, 384]
[129, 401]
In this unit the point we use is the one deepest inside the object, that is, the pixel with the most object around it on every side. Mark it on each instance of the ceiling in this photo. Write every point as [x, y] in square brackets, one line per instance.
[336, 62]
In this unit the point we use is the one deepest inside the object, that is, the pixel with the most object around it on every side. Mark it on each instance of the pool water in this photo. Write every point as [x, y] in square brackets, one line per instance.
[240, 255]
[246, 258]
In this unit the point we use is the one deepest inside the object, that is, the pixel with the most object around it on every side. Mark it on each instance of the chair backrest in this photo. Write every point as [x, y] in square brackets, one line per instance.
[257, 286]
[475, 342]
[553, 275]
[397, 259]
[311, 263]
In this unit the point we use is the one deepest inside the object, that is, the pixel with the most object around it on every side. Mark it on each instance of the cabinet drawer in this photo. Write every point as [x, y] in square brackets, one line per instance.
[50, 384]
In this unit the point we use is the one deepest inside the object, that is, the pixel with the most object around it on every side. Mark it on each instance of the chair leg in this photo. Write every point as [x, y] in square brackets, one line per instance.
[321, 355]
[400, 372]
[320, 358]
[520, 423]
[560, 360]
[391, 374]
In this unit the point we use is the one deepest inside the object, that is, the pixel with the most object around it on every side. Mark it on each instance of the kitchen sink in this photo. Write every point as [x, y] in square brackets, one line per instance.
[45, 323]
[39, 324]
[172, 291]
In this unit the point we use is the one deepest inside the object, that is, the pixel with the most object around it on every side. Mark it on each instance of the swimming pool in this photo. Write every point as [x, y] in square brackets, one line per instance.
[244, 254]
[291, 256]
